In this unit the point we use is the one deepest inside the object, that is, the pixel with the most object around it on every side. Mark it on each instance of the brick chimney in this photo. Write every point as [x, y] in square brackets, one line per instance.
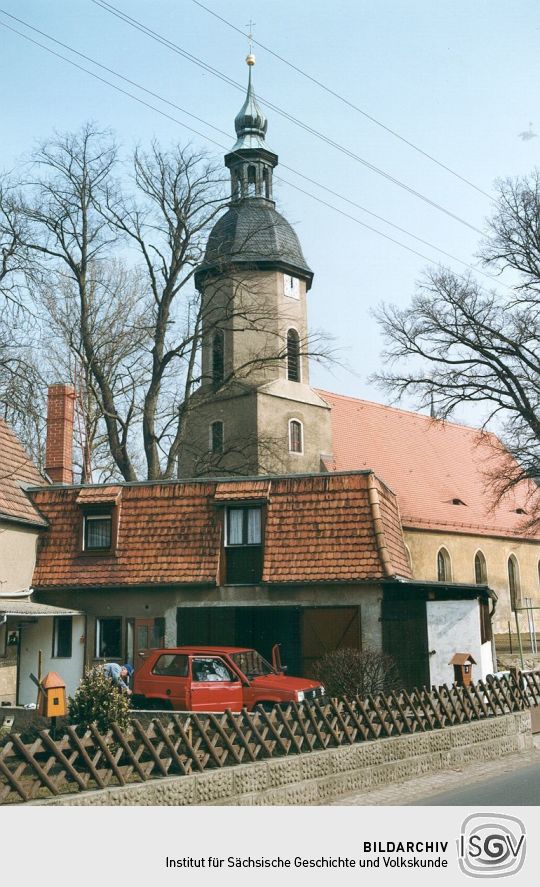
[59, 449]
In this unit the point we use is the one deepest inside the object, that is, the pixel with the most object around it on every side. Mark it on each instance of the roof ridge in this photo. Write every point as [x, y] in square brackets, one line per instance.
[383, 406]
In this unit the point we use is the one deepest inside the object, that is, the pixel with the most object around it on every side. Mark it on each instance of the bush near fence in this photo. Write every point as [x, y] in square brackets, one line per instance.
[183, 744]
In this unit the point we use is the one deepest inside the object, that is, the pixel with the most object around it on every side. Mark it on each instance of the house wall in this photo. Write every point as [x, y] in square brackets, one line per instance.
[38, 635]
[462, 547]
[17, 556]
[151, 603]
[454, 627]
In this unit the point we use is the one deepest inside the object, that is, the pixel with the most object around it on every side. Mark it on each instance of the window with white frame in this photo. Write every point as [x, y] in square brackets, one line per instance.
[97, 531]
[243, 544]
[296, 436]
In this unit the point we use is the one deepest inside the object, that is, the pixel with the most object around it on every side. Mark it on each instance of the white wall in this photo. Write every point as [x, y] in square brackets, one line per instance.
[38, 635]
[454, 627]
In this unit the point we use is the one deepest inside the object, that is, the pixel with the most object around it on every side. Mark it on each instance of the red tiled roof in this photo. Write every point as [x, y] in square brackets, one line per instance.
[318, 529]
[97, 495]
[231, 491]
[16, 471]
[427, 463]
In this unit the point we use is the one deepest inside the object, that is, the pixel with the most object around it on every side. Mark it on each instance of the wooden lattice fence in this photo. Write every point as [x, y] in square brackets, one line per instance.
[182, 744]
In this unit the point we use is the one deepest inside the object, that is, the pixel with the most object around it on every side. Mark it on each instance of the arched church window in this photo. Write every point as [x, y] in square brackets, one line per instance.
[252, 181]
[216, 437]
[480, 569]
[218, 357]
[293, 356]
[296, 442]
[513, 581]
[444, 571]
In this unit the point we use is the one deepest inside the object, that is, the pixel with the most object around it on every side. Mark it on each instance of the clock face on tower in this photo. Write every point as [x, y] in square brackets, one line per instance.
[291, 286]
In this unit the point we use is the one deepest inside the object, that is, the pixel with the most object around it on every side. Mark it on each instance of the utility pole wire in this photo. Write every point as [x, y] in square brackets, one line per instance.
[154, 35]
[223, 147]
[345, 101]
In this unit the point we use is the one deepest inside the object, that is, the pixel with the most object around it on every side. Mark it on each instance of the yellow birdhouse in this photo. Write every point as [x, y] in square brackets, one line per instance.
[52, 696]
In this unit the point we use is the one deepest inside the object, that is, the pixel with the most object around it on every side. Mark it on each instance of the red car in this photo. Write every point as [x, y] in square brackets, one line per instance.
[214, 679]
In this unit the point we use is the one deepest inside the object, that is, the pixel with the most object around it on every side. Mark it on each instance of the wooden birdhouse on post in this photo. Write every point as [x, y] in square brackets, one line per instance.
[463, 663]
[52, 696]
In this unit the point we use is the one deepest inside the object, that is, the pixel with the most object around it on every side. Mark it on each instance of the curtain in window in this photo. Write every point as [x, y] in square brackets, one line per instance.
[254, 526]
[236, 520]
[98, 532]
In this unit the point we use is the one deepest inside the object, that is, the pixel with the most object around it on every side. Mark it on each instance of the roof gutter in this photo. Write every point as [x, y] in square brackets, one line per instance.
[10, 595]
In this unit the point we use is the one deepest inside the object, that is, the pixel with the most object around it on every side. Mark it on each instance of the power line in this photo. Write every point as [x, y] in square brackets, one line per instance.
[220, 144]
[226, 134]
[154, 35]
[345, 101]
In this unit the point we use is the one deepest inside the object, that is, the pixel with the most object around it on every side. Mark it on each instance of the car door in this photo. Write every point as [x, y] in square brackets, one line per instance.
[168, 680]
[214, 686]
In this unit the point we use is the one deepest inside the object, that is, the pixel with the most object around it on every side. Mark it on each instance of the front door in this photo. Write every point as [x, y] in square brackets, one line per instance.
[148, 634]
[214, 686]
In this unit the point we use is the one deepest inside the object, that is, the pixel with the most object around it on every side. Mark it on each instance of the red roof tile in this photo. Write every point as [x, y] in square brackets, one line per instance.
[230, 491]
[428, 463]
[16, 471]
[318, 529]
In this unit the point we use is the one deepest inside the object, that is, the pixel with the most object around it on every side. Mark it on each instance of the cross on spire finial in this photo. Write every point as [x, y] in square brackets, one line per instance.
[251, 24]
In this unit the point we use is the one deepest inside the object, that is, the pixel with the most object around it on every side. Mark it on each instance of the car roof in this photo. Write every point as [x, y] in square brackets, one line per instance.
[200, 649]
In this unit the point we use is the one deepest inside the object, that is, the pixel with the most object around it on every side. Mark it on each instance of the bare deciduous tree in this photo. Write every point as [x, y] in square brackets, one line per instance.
[459, 343]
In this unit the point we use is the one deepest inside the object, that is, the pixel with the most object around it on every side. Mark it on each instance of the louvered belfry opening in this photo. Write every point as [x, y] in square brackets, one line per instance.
[293, 356]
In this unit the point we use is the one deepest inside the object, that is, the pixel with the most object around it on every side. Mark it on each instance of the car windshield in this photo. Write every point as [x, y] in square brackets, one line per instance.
[252, 664]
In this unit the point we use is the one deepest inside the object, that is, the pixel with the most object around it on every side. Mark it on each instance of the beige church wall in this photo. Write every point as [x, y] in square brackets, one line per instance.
[424, 545]
[273, 416]
[260, 316]
[239, 417]
[17, 556]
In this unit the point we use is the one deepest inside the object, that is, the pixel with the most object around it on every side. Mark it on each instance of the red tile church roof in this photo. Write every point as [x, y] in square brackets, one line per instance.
[429, 464]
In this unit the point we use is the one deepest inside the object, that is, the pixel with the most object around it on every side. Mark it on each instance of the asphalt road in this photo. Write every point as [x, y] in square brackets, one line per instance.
[520, 788]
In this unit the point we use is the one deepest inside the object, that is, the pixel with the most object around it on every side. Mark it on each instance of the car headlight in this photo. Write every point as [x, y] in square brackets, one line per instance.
[322, 690]
[300, 696]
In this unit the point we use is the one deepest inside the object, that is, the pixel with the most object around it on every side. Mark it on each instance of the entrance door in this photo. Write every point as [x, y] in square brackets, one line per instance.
[325, 629]
[404, 625]
[214, 686]
[148, 634]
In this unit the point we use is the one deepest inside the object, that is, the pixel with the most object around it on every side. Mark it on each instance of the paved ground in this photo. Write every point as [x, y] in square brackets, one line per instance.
[496, 782]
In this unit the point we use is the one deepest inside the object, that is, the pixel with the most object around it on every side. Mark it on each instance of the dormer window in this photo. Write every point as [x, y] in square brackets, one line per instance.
[98, 531]
[243, 545]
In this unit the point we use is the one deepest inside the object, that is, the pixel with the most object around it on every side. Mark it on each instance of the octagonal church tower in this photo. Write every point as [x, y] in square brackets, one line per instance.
[254, 412]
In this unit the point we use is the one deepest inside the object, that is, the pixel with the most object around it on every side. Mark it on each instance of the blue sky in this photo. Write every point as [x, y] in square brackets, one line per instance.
[459, 79]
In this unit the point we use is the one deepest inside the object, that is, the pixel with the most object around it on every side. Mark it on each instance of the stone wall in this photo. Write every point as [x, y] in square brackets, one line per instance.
[318, 778]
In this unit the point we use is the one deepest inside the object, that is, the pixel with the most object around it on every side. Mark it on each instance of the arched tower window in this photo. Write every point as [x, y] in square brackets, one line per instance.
[293, 356]
[296, 436]
[444, 569]
[513, 581]
[216, 437]
[266, 182]
[480, 568]
[252, 181]
[218, 358]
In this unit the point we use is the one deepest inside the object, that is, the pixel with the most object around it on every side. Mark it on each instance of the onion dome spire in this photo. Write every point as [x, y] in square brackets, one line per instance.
[250, 123]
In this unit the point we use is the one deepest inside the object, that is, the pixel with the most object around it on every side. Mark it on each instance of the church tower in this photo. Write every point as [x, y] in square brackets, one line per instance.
[254, 412]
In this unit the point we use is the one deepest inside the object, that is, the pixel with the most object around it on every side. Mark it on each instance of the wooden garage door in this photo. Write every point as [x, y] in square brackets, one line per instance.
[325, 629]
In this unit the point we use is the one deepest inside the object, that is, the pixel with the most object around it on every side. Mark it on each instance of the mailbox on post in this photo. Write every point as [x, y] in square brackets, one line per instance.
[463, 663]
[52, 696]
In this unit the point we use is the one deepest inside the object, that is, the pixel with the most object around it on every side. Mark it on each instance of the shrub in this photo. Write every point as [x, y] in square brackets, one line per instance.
[356, 672]
[97, 701]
